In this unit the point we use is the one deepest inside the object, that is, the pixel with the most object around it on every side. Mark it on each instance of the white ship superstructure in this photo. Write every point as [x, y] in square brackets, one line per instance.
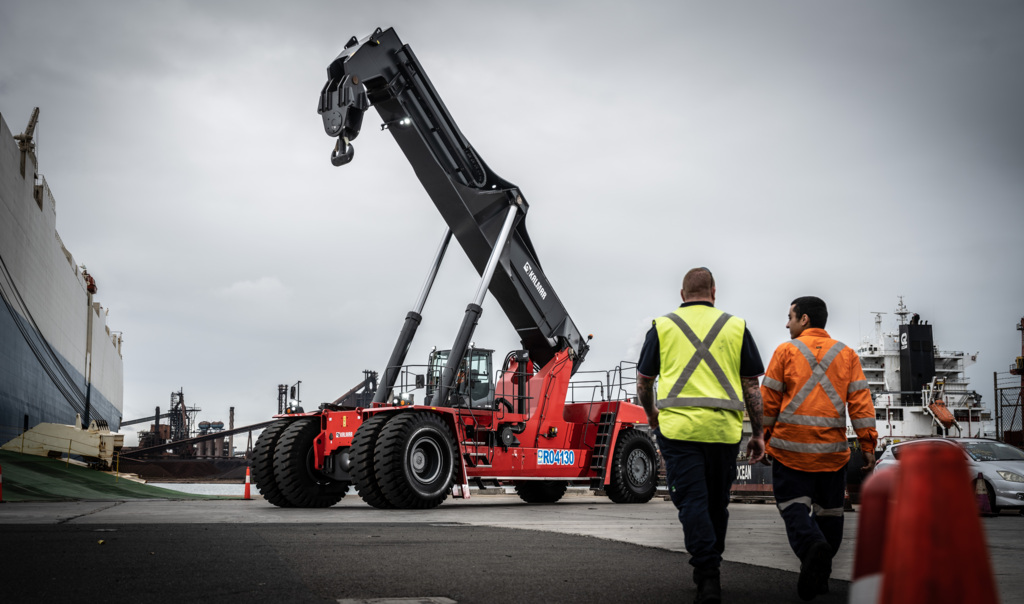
[919, 390]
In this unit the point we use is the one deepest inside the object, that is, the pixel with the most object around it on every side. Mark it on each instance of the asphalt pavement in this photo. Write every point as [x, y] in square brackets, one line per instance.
[490, 548]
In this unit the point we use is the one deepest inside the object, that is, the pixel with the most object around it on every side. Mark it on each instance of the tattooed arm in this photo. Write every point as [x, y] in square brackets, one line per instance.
[755, 410]
[645, 392]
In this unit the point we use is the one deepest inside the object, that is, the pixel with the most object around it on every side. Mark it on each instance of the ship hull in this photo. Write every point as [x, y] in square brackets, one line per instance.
[36, 387]
[58, 358]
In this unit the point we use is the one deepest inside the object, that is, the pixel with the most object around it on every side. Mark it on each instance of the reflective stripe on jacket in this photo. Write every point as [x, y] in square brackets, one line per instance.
[700, 396]
[810, 385]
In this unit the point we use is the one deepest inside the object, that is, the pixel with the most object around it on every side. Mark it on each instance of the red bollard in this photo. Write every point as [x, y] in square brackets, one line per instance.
[247, 482]
[934, 520]
[875, 503]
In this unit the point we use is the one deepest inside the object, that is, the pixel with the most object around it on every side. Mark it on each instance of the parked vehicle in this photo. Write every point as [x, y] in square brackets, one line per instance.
[1001, 465]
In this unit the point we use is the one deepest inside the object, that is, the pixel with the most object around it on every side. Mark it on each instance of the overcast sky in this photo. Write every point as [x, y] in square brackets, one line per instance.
[857, 151]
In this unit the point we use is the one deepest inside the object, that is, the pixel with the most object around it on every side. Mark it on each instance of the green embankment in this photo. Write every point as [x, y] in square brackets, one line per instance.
[32, 478]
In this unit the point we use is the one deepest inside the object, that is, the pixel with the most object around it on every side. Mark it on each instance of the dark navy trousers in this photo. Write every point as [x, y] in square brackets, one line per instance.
[700, 476]
[811, 504]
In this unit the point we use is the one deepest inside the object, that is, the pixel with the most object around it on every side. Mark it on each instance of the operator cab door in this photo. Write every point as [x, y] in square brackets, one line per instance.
[474, 386]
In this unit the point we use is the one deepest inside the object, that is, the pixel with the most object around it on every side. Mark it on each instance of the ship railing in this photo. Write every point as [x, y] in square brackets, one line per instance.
[900, 393]
[953, 397]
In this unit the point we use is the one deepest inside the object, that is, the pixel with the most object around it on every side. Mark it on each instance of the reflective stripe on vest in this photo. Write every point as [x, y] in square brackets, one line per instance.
[702, 352]
[773, 384]
[818, 376]
[788, 445]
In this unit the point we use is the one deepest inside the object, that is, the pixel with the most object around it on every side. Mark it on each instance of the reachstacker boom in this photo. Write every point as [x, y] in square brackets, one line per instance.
[476, 424]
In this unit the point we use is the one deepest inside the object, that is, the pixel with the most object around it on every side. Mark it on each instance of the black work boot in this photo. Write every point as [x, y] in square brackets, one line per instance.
[709, 586]
[815, 569]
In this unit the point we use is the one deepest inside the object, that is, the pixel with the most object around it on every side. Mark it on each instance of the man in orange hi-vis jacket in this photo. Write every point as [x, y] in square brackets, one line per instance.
[811, 383]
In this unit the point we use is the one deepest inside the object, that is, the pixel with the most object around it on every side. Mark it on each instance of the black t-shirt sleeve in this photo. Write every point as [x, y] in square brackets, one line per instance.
[649, 364]
[750, 358]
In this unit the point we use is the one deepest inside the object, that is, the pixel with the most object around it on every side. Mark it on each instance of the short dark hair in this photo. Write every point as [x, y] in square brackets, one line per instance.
[814, 308]
[698, 282]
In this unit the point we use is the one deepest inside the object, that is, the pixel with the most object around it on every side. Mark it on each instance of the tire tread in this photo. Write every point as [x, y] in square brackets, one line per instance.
[263, 465]
[293, 474]
[620, 489]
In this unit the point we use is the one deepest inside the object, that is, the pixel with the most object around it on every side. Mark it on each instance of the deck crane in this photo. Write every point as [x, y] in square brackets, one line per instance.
[476, 425]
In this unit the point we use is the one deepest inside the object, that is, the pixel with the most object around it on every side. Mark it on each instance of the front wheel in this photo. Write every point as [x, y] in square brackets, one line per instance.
[992, 499]
[295, 468]
[634, 469]
[416, 460]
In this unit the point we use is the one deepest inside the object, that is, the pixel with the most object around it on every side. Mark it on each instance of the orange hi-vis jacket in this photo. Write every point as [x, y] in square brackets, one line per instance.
[810, 384]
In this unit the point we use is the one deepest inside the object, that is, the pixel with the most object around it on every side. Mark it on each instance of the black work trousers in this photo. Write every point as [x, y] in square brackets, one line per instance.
[700, 476]
[811, 504]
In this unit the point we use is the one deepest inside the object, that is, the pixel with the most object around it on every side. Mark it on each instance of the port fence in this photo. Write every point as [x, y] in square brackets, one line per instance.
[1009, 413]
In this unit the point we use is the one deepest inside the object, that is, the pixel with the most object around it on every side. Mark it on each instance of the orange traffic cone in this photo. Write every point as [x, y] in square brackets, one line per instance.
[875, 496]
[247, 482]
[981, 495]
[934, 520]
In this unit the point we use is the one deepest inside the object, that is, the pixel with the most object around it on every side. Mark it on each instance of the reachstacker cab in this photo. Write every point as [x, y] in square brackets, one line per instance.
[433, 430]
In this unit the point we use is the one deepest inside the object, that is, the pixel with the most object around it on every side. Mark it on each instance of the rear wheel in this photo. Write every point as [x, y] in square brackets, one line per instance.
[363, 468]
[541, 491]
[634, 469]
[416, 460]
[263, 464]
[295, 468]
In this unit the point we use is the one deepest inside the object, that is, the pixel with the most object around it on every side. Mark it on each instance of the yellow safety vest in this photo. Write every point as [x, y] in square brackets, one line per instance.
[700, 396]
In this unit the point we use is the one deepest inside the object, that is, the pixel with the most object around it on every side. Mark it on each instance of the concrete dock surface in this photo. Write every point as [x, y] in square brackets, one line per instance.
[490, 548]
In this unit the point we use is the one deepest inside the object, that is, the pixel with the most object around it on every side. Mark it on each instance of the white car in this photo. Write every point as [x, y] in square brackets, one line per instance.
[1001, 465]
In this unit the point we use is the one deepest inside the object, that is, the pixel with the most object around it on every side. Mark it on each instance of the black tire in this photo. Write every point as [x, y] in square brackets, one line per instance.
[541, 491]
[263, 464]
[634, 476]
[363, 467]
[992, 499]
[295, 470]
[416, 460]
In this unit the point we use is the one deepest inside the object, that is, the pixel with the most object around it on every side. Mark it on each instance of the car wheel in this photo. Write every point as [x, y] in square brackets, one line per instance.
[992, 499]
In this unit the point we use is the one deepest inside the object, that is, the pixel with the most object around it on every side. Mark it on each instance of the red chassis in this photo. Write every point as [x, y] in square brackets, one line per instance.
[552, 443]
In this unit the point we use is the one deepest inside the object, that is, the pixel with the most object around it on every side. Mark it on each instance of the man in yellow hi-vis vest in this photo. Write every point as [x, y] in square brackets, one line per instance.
[707, 365]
